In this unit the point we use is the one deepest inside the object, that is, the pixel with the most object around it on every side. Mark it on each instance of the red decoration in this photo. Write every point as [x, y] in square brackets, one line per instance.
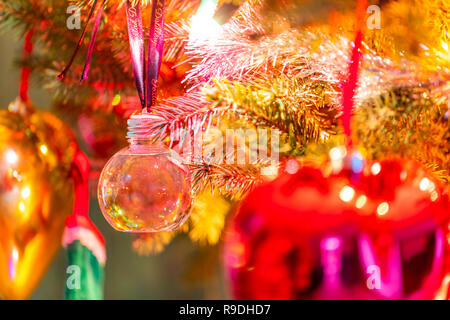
[319, 234]
[95, 129]
[25, 73]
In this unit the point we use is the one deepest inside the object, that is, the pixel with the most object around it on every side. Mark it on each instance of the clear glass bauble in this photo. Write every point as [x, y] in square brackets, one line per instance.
[145, 188]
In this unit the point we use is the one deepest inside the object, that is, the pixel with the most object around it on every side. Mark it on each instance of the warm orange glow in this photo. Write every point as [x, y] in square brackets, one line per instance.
[403, 175]
[43, 149]
[11, 157]
[26, 192]
[337, 153]
[424, 184]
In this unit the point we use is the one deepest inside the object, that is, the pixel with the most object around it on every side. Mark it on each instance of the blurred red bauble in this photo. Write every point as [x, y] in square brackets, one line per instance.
[102, 133]
[377, 232]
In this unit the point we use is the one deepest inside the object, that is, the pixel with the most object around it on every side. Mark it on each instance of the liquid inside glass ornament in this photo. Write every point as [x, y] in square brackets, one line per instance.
[144, 187]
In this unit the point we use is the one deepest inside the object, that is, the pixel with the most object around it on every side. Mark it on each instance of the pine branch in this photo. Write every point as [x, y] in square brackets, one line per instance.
[303, 110]
[409, 122]
[181, 116]
[263, 39]
[231, 180]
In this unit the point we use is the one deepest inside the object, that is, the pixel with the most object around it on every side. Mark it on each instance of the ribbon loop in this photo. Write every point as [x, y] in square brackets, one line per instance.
[146, 82]
[25, 74]
[98, 18]
[62, 75]
[351, 83]
[136, 39]
[155, 50]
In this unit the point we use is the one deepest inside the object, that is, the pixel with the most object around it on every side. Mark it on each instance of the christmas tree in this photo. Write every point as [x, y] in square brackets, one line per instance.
[236, 94]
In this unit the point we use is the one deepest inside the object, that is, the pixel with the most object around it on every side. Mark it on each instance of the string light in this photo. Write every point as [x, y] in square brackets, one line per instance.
[347, 193]
[383, 208]
[361, 201]
[43, 149]
[11, 157]
[337, 153]
[26, 192]
[403, 175]
[292, 166]
[331, 243]
[203, 25]
[434, 196]
[376, 168]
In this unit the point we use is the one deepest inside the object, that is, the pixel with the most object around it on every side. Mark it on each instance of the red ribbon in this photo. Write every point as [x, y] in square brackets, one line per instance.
[25, 74]
[146, 84]
[62, 75]
[155, 50]
[80, 214]
[136, 38]
[98, 18]
[350, 85]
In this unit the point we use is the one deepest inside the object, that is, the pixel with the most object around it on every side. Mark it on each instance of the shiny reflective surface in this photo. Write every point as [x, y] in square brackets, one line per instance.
[36, 151]
[376, 233]
[145, 188]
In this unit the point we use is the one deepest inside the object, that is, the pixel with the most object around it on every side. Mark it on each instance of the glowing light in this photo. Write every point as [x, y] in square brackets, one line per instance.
[22, 207]
[11, 157]
[347, 193]
[330, 251]
[236, 255]
[15, 254]
[403, 175]
[361, 201]
[357, 162]
[324, 135]
[203, 25]
[434, 196]
[292, 166]
[43, 149]
[116, 100]
[269, 172]
[337, 153]
[330, 243]
[432, 186]
[444, 45]
[383, 208]
[425, 183]
[14, 258]
[26, 192]
[376, 168]
[16, 175]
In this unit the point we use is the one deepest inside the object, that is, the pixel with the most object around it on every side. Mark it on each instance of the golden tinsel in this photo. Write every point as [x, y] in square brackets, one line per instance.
[152, 243]
[207, 218]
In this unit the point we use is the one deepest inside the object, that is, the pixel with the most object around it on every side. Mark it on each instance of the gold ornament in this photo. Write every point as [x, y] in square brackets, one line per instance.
[36, 195]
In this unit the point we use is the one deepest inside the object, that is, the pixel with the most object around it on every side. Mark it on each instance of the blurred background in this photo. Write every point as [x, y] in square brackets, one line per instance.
[182, 271]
